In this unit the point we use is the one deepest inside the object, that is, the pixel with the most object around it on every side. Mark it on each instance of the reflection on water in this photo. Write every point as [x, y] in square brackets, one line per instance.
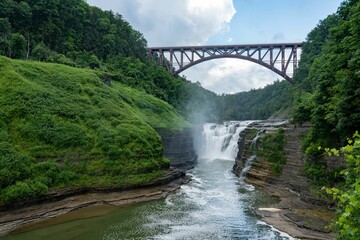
[214, 205]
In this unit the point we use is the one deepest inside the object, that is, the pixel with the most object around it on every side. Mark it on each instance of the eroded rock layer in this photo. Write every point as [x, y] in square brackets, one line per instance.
[300, 212]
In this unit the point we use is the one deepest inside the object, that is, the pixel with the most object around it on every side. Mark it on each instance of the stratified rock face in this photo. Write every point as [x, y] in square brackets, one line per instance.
[292, 176]
[179, 148]
[300, 211]
[242, 155]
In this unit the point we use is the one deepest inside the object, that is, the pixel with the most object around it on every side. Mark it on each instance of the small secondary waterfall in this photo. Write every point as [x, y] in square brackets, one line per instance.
[252, 158]
[220, 141]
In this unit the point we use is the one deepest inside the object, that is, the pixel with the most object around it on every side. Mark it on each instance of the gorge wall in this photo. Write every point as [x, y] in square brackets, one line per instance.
[301, 211]
[179, 147]
[292, 176]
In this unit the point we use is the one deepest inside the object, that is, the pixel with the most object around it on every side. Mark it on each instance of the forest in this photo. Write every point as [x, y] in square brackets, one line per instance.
[328, 96]
[97, 45]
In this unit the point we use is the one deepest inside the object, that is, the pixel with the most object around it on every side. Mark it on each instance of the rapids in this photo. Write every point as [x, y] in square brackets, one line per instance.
[214, 205]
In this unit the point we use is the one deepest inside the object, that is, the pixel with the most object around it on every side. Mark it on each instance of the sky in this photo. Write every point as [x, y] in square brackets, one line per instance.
[167, 23]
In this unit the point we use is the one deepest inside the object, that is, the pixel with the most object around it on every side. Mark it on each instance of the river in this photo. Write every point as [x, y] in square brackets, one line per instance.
[214, 205]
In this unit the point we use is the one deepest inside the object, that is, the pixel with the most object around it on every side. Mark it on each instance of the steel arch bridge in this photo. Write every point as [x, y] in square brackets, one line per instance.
[281, 58]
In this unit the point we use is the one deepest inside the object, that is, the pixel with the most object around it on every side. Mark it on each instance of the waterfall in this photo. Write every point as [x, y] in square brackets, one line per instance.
[252, 157]
[253, 145]
[220, 141]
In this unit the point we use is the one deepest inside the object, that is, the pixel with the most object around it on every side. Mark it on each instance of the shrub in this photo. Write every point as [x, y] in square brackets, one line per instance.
[23, 190]
[272, 148]
[348, 221]
[13, 165]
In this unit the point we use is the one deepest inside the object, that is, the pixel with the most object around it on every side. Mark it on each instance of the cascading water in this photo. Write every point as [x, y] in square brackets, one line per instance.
[219, 141]
[214, 205]
[252, 158]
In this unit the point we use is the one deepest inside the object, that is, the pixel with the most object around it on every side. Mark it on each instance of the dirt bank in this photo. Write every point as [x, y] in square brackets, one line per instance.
[66, 201]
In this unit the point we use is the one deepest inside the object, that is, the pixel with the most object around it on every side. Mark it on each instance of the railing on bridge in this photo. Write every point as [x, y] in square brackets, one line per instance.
[282, 58]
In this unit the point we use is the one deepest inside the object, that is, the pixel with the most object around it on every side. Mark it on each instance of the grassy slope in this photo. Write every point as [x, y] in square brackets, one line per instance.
[61, 126]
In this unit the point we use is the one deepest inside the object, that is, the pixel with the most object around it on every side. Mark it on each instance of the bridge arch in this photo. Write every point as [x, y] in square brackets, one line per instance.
[279, 58]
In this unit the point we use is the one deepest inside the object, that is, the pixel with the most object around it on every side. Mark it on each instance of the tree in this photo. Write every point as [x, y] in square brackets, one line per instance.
[5, 31]
[41, 52]
[17, 46]
[329, 71]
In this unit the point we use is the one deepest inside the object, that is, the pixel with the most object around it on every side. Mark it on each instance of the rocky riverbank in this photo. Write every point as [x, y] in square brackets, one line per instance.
[300, 212]
[60, 202]
[178, 147]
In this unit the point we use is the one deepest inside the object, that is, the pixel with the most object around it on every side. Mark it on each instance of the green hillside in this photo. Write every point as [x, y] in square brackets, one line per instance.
[62, 126]
[257, 103]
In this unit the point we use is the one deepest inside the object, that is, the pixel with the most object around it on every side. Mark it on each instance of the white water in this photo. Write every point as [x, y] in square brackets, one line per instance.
[220, 141]
[252, 158]
[214, 205]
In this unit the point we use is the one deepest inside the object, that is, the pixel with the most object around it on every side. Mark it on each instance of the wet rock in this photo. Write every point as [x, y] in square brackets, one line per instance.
[179, 148]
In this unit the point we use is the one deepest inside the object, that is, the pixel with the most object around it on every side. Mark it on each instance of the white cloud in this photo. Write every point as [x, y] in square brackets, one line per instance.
[192, 22]
[231, 75]
[175, 22]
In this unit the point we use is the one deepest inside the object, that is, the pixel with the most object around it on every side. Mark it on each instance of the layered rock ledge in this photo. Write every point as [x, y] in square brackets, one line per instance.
[63, 201]
[300, 212]
[178, 147]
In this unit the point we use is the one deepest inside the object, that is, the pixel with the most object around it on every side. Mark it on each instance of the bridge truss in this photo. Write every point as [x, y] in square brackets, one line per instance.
[282, 58]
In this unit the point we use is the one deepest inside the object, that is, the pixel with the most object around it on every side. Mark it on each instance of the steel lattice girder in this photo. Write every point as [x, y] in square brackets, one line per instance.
[282, 58]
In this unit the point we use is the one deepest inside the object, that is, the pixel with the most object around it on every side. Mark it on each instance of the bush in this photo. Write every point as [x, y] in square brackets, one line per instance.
[348, 221]
[22, 190]
[272, 148]
[13, 165]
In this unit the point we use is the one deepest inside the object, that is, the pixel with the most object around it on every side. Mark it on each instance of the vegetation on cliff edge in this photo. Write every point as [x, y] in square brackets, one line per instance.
[271, 147]
[328, 83]
[348, 196]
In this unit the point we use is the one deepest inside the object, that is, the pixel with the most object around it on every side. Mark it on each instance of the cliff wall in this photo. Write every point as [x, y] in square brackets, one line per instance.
[291, 177]
[301, 212]
[179, 148]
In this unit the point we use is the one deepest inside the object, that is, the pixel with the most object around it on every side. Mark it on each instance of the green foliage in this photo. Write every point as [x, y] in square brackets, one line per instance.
[328, 84]
[14, 165]
[329, 79]
[190, 99]
[317, 172]
[61, 126]
[73, 33]
[315, 167]
[302, 108]
[42, 53]
[311, 50]
[271, 147]
[18, 45]
[348, 221]
[23, 190]
[257, 104]
[5, 33]
[68, 27]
